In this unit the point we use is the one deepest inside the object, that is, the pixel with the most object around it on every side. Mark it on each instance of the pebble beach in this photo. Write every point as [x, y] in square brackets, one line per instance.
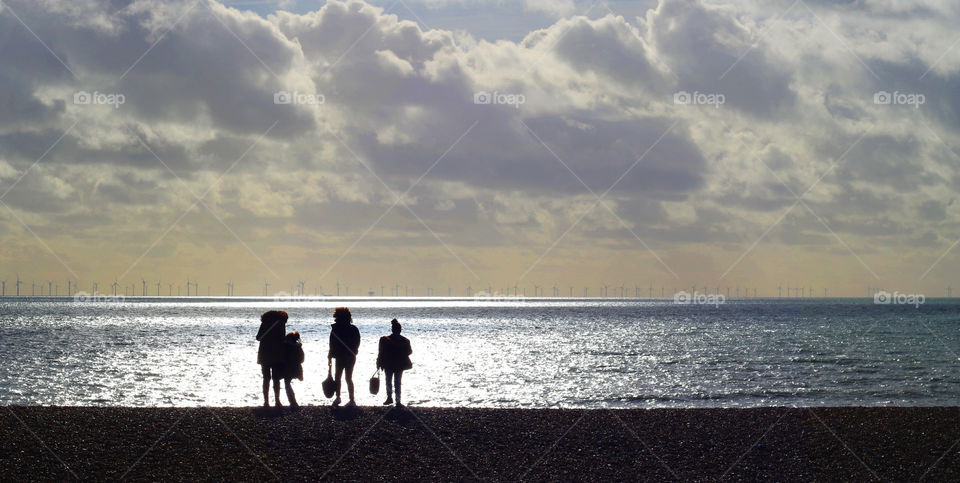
[379, 443]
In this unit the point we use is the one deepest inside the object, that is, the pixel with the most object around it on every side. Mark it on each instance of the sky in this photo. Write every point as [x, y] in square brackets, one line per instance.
[483, 144]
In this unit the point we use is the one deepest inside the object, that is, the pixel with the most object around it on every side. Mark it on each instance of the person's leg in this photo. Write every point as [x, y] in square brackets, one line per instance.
[389, 377]
[276, 386]
[291, 397]
[398, 375]
[265, 370]
[349, 371]
[338, 373]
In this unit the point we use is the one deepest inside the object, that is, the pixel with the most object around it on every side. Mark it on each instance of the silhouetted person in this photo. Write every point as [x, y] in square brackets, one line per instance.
[394, 358]
[344, 345]
[293, 364]
[273, 325]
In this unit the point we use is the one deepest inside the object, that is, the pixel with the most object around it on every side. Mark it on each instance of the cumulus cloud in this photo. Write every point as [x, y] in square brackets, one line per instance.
[491, 144]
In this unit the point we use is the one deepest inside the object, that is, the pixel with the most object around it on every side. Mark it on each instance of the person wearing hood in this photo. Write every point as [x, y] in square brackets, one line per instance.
[344, 346]
[270, 353]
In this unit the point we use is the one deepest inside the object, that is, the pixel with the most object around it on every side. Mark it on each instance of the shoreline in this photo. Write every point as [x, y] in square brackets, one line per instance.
[782, 444]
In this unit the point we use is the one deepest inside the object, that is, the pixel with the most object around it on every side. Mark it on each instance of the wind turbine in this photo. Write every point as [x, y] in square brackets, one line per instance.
[96, 288]
[4, 290]
[18, 284]
[170, 290]
[115, 285]
[143, 287]
[158, 288]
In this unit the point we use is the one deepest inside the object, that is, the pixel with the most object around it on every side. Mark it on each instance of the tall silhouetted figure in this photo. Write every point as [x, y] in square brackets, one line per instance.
[273, 326]
[393, 357]
[344, 344]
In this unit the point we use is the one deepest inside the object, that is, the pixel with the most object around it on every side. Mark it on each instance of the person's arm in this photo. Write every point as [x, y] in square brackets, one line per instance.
[356, 345]
[330, 352]
[260, 332]
[380, 353]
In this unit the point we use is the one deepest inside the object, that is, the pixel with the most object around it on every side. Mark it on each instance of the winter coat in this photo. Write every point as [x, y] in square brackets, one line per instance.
[394, 353]
[344, 341]
[293, 360]
[271, 335]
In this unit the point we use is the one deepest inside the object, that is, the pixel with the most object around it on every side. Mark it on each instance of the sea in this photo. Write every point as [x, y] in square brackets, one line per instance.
[490, 352]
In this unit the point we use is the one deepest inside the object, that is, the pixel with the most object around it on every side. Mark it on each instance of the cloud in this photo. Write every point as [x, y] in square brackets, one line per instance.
[553, 8]
[574, 109]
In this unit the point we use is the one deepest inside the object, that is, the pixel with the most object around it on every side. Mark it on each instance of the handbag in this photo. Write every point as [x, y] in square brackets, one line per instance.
[329, 385]
[375, 382]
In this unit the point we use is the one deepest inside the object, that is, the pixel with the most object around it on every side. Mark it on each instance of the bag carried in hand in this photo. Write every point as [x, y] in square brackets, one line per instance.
[375, 382]
[329, 385]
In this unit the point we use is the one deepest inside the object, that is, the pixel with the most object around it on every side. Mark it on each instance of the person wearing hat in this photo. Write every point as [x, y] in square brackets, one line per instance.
[394, 358]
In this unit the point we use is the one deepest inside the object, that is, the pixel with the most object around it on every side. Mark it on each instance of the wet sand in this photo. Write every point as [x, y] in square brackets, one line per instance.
[821, 444]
